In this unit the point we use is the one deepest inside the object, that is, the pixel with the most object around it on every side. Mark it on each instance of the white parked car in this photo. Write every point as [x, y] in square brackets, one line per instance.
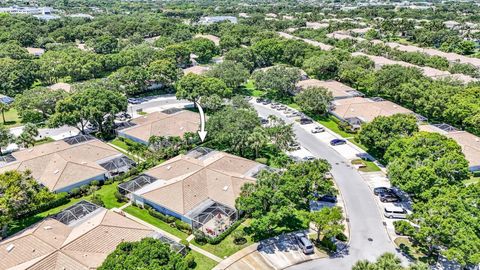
[393, 211]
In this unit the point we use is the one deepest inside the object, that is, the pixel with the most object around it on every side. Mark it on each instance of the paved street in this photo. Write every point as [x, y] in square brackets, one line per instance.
[155, 103]
[369, 238]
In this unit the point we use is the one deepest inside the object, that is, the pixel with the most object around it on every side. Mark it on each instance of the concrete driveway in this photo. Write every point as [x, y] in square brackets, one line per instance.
[275, 253]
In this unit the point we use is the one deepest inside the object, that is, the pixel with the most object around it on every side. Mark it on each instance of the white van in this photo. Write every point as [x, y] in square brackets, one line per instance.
[392, 211]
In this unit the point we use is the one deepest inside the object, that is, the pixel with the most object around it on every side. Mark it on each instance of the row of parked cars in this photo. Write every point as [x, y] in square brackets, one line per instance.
[390, 196]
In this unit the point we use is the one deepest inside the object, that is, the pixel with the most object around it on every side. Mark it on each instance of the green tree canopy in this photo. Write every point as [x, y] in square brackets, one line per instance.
[424, 163]
[314, 99]
[379, 134]
[232, 73]
[164, 72]
[38, 100]
[279, 80]
[91, 104]
[323, 66]
[193, 87]
[203, 48]
[147, 254]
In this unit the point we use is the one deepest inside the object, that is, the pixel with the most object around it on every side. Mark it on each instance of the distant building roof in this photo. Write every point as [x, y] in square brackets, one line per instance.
[470, 143]
[60, 164]
[186, 181]
[83, 245]
[212, 38]
[61, 86]
[162, 124]
[338, 89]
[198, 70]
[366, 109]
[216, 19]
[316, 25]
[322, 46]
[35, 51]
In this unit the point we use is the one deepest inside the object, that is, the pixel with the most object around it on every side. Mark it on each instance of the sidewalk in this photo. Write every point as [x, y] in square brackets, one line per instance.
[125, 151]
[173, 237]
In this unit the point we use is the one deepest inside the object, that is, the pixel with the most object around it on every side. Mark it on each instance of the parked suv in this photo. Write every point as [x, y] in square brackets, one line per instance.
[389, 197]
[305, 121]
[304, 243]
[335, 142]
[392, 211]
[380, 190]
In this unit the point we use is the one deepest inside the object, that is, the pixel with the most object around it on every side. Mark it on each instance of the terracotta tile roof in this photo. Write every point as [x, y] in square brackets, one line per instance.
[366, 109]
[61, 86]
[51, 244]
[162, 124]
[58, 164]
[186, 182]
[470, 143]
[338, 89]
[212, 38]
[198, 70]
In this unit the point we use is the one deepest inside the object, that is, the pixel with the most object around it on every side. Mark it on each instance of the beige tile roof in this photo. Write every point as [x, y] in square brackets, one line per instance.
[212, 38]
[337, 89]
[322, 46]
[49, 244]
[61, 86]
[35, 51]
[185, 182]
[57, 165]
[198, 70]
[366, 109]
[470, 143]
[162, 124]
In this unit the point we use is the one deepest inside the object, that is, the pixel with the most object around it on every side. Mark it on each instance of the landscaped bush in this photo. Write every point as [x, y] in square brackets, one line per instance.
[200, 237]
[97, 199]
[326, 244]
[219, 238]
[62, 198]
[190, 260]
[262, 160]
[120, 197]
[239, 237]
[403, 227]
[341, 237]
[162, 217]
[182, 226]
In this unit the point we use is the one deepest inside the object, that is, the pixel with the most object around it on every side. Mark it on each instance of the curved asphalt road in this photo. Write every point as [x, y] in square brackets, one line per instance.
[365, 220]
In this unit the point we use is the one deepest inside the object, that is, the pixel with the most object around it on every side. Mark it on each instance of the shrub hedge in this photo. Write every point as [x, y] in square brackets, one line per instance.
[62, 198]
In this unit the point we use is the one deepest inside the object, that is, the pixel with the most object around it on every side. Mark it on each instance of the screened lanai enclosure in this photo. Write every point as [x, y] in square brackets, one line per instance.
[213, 218]
[76, 212]
[118, 165]
[127, 188]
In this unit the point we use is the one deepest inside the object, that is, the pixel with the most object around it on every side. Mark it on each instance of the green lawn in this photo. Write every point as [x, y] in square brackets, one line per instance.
[21, 224]
[107, 192]
[227, 247]
[471, 181]
[370, 165]
[331, 123]
[11, 118]
[44, 140]
[404, 244]
[145, 216]
[203, 262]
[120, 143]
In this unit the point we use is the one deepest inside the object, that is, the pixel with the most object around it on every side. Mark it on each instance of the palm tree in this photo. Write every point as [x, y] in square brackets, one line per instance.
[257, 140]
[364, 265]
[4, 107]
[389, 261]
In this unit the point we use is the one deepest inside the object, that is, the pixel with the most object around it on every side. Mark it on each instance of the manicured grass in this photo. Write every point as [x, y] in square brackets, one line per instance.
[202, 262]
[120, 143]
[44, 140]
[404, 244]
[331, 123]
[21, 224]
[107, 193]
[145, 216]
[11, 118]
[472, 181]
[227, 247]
[370, 165]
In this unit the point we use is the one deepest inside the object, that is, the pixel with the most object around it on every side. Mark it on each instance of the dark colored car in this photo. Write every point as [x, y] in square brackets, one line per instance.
[259, 100]
[389, 197]
[335, 142]
[381, 190]
[305, 121]
[266, 102]
[263, 121]
[328, 198]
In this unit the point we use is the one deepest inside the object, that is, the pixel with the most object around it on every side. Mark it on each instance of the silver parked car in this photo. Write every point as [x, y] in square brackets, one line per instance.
[304, 243]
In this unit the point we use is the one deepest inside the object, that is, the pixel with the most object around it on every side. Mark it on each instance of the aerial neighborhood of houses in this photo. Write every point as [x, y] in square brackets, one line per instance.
[234, 135]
